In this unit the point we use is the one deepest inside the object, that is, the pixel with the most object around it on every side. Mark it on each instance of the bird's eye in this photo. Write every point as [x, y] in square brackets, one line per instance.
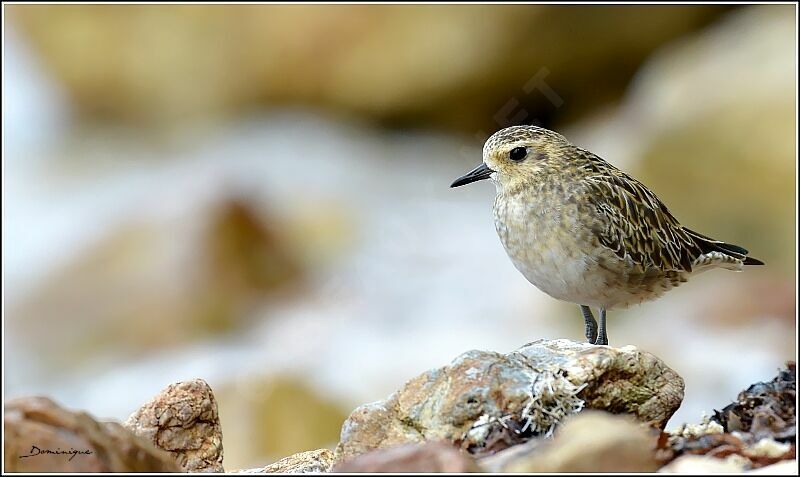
[518, 153]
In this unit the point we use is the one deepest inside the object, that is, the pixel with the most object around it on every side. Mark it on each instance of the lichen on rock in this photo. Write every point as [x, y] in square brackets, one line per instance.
[552, 398]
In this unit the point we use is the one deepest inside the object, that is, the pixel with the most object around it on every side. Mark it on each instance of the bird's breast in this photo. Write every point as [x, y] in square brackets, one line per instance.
[548, 243]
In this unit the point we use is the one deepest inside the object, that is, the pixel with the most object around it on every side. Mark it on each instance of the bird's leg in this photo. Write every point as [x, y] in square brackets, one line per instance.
[591, 324]
[602, 338]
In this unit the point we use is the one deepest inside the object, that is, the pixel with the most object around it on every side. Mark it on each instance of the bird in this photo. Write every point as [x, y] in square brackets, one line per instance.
[585, 232]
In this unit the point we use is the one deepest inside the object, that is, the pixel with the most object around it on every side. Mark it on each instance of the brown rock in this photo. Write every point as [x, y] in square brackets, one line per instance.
[315, 461]
[593, 442]
[156, 283]
[183, 420]
[488, 401]
[427, 457]
[59, 440]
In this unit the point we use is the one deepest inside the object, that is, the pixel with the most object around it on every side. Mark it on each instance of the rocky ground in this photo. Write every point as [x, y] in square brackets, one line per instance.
[550, 406]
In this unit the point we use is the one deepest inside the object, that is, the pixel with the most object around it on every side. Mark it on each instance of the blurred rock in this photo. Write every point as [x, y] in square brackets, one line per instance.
[454, 65]
[315, 461]
[418, 458]
[153, 283]
[593, 441]
[245, 253]
[699, 128]
[59, 440]
[787, 467]
[495, 463]
[183, 420]
[276, 417]
[734, 445]
[485, 401]
[700, 464]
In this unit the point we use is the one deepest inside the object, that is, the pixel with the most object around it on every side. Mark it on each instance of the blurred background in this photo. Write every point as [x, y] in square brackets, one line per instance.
[257, 195]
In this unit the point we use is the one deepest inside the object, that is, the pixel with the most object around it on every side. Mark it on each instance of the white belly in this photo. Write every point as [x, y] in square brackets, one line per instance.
[563, 275]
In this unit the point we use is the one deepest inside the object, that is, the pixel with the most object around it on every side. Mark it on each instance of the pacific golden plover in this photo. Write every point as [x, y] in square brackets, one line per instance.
[585, 232]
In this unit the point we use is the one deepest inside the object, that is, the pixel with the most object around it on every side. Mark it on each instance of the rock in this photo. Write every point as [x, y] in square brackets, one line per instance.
[183, 420]
[427, 457]
[772, 449]
[735, 446]
[486, 401]
[593, 441]
[787, 467]
[498, 461]
[156, 282]
[700, 464]
[454, 65]
[762, 453]
[757, 430]
[59, 440]
[315, 461]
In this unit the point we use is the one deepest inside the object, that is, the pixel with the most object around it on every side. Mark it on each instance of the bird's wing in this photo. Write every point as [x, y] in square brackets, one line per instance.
[635, 223]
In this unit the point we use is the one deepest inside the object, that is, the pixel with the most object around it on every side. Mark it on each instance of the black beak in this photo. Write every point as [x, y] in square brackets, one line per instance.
[478, 174]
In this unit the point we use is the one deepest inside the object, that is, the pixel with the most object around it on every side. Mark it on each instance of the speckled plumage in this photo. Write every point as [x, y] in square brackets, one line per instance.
[585, 232]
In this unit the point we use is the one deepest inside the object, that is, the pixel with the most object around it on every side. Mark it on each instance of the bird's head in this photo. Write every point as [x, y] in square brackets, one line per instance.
[514, 157]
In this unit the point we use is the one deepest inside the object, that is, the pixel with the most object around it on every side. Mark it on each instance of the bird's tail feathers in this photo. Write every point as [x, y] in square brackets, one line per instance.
[708, 245]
